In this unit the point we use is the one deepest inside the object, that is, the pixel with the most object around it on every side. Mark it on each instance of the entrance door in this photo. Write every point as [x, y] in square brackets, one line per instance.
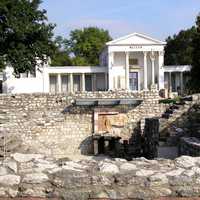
[133, 81]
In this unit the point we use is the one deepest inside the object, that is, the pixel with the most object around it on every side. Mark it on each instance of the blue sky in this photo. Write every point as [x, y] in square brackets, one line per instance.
[157, 18]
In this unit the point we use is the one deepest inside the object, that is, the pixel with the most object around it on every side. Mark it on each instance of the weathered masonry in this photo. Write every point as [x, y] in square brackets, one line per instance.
[56, 125]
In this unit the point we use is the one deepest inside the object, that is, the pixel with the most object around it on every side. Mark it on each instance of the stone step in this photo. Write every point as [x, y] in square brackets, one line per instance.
[169, 111]
[174, 107]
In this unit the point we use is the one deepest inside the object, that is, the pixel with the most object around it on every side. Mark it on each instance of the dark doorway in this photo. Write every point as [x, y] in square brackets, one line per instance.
[101, 149]
[112, 145]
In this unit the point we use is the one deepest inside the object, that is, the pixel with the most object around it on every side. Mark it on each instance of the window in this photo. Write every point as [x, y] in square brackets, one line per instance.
[133, 61]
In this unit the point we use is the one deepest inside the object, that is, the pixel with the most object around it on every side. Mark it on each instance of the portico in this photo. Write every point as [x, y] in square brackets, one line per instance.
[135, 62]
[176, 78]
[74, 79]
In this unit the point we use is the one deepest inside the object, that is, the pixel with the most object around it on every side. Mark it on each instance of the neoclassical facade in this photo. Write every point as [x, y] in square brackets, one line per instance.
[134, 63]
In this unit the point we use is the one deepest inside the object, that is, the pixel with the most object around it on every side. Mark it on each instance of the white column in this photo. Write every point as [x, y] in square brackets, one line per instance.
[106, 81]
[153, 71]
[127, 71]
[145, 70]
[161, 70]
[59, 83]
[152, 56]
[181, 82]
[45, 80]
[94, 80]
[83, 82]
[110, 65]
[170, 82]
[71, 83]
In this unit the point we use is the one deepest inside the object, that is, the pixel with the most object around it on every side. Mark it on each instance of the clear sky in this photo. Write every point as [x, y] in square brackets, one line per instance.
[157, 18]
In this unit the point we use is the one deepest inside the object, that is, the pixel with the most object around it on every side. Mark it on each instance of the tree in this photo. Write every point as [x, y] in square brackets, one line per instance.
[195, 72]
[87, 44]
[61, 56]
[25, 35]
[179, 48]
[79, 61]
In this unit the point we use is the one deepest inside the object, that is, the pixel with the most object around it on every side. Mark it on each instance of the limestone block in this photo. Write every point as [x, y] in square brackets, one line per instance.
[35, 178]
[144, 173]
[26, 157]
[105, 167]
[185, 161]
[127, 167]
[3, 170]
[9, 180]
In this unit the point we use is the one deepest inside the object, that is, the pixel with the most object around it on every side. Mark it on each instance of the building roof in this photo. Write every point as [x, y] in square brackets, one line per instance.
[76, 69]
[136, 39]
[177, 68]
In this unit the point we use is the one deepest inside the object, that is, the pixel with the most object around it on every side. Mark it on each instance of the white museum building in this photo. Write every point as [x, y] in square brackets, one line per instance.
[134, 62]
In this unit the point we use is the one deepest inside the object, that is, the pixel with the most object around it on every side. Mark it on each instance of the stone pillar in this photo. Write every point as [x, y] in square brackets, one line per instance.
[161, 70]
[71, 83]
[151, 138]
[110, 65]
[145, 70]
[127, 71]
[106, 146]
[83, 82]
[59, 83]
[96, 150]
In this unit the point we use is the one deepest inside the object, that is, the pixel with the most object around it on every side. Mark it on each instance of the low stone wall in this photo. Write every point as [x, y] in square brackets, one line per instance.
[34, 175]
[189, 146]
[43, 125]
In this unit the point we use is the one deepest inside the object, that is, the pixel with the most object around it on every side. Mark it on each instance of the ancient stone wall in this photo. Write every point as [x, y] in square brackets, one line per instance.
[184, 127]
[35, 175]
[44, 126]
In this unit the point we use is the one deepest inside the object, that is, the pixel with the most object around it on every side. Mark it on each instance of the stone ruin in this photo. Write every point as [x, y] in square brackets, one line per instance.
[52, 124]
[60, 125]
[36, 175]
[106, 141]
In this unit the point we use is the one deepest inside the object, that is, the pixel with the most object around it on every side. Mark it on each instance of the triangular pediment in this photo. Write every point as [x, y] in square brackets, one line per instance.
[136, 39]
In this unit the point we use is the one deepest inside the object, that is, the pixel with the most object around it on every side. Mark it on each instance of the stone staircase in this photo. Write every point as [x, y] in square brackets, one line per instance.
[170, 132]
[172, 114]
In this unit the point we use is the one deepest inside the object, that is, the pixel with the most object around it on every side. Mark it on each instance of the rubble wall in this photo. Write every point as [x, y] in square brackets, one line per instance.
[35, 175]
[43, 125]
